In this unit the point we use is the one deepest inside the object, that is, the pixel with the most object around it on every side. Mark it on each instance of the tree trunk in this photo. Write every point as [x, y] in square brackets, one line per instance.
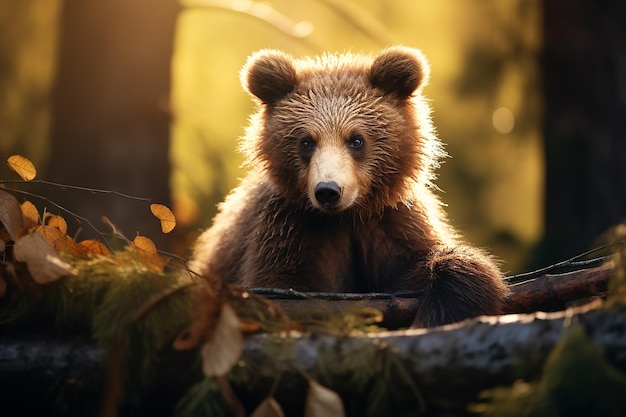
[584, 81]
[111, 117]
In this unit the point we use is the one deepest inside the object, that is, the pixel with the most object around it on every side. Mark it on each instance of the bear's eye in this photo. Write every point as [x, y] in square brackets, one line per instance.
[307, 144]
[356, 142]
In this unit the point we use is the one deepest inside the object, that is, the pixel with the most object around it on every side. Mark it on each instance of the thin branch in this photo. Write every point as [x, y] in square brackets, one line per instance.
[79, 219]
[564, 266]
[76, 187]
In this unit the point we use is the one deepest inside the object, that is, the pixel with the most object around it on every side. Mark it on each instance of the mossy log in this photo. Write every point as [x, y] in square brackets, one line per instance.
[450, 365]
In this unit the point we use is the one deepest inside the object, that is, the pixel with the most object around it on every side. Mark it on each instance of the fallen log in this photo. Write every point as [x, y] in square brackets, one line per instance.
[450, 364]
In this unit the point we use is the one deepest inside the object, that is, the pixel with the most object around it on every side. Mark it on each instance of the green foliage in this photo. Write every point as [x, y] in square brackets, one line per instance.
[110, 299]
[576, 381]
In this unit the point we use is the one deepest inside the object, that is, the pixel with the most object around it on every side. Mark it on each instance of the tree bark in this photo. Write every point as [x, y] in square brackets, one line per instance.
[110, 109]
[584, 81]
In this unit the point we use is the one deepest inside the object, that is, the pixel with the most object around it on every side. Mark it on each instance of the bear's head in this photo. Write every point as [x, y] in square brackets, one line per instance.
[342, 132]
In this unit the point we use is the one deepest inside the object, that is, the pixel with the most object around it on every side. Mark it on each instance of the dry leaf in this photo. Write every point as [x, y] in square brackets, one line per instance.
[61, 242]
[145, 244]
[268, 408]
[165, 215]
[30, 215]
[10, 214]
[50, 234]
[56, 222]
[224, 347]
[94, 247]
[22, 166]
[41, 259]
[68, 245]
[148, 252]
[322, 402]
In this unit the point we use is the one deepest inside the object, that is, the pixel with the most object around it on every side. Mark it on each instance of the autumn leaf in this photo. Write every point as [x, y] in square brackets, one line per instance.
[68, 245]
[224, 347]
[268, 408]
[322, 402]
[10, 214]
[60, 241]
[56, 222]
[30, 215]
[94, 247]
[165, 215]
[41, 259]
[148, 252]
[22, 166]
[50, 234]
[145, 244]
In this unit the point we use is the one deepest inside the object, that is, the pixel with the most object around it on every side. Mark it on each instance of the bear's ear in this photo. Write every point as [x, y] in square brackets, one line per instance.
[269, 75]
[399, 70]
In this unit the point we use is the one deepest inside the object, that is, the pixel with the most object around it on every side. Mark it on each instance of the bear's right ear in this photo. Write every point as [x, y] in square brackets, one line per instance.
[269, 75]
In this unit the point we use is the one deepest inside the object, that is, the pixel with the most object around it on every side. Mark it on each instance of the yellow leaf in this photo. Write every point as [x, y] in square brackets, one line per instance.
[165, 215]
[57, 222]
[50, 234]
[60, 241]
[68, 245]
[94, 247]
[145, 244]
[268, 408]
[41, 259]
[24, 168]
[322, 402]
[10, 214]
[30, 215]
[148, 252]
[224, 347]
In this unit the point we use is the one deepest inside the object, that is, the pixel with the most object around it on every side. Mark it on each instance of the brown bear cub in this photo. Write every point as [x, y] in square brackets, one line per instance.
[339, 196]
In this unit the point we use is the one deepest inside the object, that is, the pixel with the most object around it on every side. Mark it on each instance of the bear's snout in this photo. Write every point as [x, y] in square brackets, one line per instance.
[328, 194]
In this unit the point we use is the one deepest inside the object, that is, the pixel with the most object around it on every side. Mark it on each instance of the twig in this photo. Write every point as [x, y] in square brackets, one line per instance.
[290, 294]
[79, 219]
[564, 266]
[76, 187]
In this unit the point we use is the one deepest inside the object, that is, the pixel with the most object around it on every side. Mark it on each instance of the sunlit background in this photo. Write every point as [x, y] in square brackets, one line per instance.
[143, 97]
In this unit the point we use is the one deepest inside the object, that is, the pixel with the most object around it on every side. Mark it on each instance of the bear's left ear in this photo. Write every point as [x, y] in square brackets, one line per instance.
[269, 75]
[399, 70]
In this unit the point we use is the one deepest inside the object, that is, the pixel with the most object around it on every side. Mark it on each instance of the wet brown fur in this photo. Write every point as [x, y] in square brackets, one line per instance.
[395, 236]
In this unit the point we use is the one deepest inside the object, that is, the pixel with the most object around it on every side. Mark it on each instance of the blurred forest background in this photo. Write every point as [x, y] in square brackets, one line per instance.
[143, 97]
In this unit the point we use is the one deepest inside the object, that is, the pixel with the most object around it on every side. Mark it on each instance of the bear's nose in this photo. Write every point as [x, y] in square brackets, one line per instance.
[327, 194]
